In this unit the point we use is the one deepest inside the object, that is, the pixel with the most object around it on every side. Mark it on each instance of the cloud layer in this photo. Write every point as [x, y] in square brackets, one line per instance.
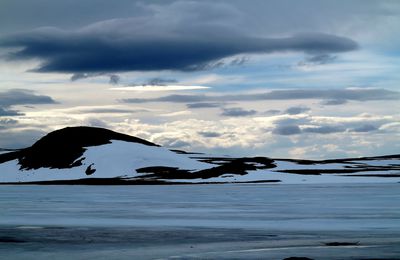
[350, 94]
[183, 36]
[20, 97]
[237, 111]
[303, 124]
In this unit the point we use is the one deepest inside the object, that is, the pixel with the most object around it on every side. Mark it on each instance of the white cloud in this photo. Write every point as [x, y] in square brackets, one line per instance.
[153, 88]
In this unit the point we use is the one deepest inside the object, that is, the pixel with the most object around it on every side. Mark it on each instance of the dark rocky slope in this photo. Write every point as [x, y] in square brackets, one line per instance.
[61, 148]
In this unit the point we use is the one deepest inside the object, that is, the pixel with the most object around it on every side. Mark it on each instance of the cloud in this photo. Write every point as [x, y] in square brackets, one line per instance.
[107, 110]
[20, 97]
[152, 88]
[17, 139]
[95, 122]
[203, 105]
[365, 128]
[392, 127]
[7, 122]
[334, 102]
[319, 59]
[209, 134]
[78, 76]
[23, 97]
[171, 142]
[177, 113]
[303, 124]
[183, 36]
[114, 79]
[156, 82]
[282, 128]
[175, 98]
[286, 130]
[296, 110]
[237, 111]
[7, 112]
[271, 112]
[356, 94]
[239, 61]
[323, 129]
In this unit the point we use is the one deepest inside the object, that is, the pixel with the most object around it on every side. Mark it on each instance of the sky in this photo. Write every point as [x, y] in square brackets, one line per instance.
[299, 79]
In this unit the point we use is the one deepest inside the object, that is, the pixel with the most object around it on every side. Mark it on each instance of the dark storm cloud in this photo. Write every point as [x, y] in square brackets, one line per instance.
[72, 52]
[296, 110]
[366, 94]
[20, 97]
[182, 36]
[272, 16]
[237, 111]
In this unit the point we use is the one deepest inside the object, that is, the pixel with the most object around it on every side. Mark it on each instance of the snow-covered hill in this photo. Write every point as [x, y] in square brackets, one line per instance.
[87, 155]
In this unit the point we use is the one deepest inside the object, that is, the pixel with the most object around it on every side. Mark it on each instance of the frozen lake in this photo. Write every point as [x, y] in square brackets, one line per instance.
[251, 221]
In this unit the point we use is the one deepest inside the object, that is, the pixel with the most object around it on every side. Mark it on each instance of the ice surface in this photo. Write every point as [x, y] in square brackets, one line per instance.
[248, 221]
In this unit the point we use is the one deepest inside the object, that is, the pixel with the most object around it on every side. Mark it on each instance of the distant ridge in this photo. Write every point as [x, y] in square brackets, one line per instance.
[97, 156]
